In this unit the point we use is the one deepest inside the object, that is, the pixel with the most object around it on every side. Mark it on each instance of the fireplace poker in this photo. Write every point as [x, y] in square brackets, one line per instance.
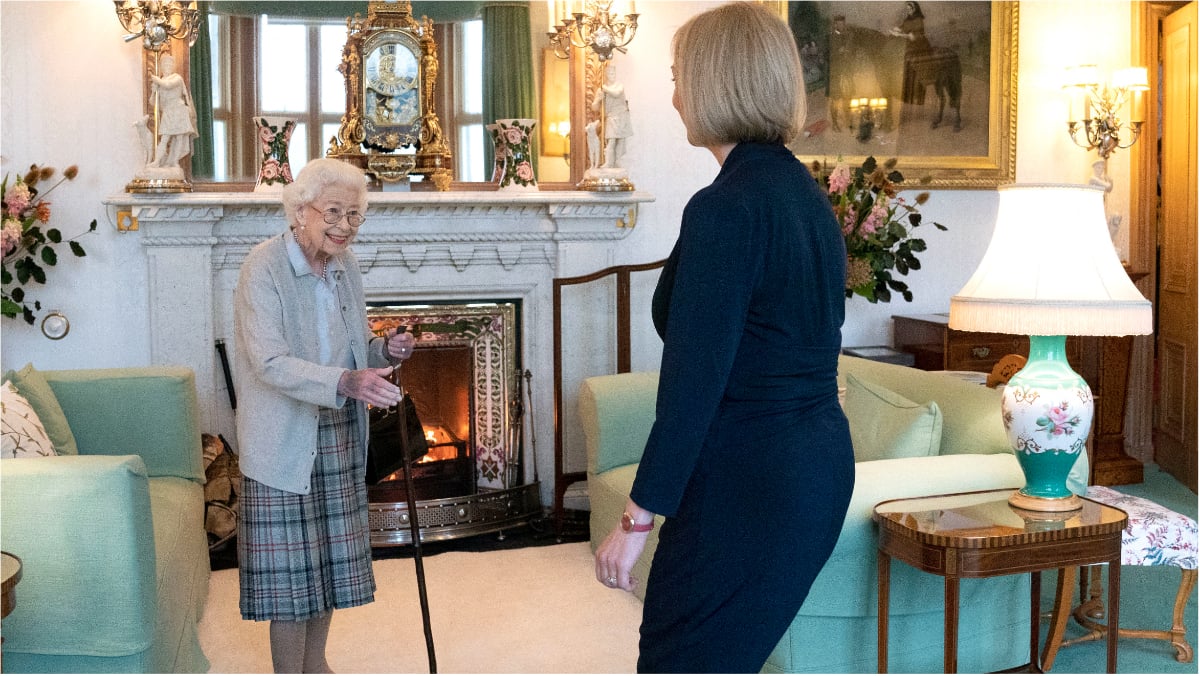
[415, 528]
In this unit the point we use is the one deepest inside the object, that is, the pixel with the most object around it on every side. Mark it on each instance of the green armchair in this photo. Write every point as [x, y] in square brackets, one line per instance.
[114, 553]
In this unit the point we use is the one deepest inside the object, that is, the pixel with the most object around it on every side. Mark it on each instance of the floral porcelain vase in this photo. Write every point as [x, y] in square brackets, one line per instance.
[273, 133]
[499, 151]
[1047, 410]
[515, 136]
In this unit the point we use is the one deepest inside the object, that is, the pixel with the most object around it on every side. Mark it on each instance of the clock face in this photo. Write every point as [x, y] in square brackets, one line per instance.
[55, 325]
[391, 92]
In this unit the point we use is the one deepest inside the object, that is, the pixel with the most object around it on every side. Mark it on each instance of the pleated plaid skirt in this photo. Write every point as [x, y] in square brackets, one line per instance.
[301, 556]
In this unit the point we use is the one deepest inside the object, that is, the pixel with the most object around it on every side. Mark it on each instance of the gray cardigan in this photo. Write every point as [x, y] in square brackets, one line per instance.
[280, 384]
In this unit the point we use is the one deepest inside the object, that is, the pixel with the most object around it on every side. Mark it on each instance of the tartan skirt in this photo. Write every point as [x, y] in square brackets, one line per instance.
[301, 556]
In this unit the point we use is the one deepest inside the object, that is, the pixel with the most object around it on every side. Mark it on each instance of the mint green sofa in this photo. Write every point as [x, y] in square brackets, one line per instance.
[114, 554]
[835, 630]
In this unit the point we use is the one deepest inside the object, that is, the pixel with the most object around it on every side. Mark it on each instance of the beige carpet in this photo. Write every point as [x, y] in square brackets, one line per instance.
[532, 610]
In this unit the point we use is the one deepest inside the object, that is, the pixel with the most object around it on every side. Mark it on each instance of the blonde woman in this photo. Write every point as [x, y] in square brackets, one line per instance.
[749, 459]
[306, 367]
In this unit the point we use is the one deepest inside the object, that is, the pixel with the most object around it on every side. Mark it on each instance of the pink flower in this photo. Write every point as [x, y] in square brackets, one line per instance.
[525, 172]
[839, 180]
[848, 220]
[16, 200]
[10, 235]
[267, 137]
[270, 170]
[875, 218]
[514, 135]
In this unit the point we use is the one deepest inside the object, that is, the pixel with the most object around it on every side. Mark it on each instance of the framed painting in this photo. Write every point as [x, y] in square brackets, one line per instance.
[932, 84]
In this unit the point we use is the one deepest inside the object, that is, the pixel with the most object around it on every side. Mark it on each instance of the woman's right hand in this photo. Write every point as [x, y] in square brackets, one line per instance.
[370, 386]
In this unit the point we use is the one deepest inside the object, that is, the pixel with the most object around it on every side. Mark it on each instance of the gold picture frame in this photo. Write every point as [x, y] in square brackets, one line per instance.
[876, 87]
[390, 66]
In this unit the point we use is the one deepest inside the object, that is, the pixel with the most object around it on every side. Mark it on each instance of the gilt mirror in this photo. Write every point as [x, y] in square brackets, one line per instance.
[282, 58]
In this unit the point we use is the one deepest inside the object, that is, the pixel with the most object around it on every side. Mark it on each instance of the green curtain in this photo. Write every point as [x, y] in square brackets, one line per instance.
[508, 88]
[203, 160]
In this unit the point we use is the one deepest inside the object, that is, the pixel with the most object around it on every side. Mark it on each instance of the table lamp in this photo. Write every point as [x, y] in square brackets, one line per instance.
[1050, 271]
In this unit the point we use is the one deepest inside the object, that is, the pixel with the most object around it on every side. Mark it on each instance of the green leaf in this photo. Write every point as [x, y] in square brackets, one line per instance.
[9, 308]
[914, 219]
[18, 294]
[77, 249]
[92, 227]
[895, 177]
[38, 274]
[916, 244]
[5, 276]
[54, 235]
[27, 315]
[869, 165]
[49, 257]
[940, 226]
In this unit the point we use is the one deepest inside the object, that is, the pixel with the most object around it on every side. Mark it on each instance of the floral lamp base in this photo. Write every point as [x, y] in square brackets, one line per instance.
[1047, 410]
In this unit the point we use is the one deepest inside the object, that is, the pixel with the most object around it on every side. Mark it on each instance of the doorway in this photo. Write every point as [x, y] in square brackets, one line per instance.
[1164, 237]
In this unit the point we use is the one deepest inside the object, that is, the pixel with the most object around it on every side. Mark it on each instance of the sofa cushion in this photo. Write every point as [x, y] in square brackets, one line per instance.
[21, 432]
[886, 425]
[32, 385]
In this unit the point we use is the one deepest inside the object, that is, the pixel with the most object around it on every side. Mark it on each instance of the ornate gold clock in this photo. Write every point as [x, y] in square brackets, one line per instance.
[390, 64]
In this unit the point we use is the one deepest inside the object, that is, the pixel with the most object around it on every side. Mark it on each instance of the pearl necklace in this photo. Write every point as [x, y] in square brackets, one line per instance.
[324, 263]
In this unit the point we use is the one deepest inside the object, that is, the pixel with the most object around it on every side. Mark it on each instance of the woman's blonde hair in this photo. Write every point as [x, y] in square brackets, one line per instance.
[739, 78]
[315, 178]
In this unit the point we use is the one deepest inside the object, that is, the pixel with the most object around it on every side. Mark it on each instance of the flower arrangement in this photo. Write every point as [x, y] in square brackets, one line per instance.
[26, 245]
[877, 224]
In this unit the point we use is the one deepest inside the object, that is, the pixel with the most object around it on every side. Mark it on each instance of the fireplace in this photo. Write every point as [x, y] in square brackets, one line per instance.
[464, 378]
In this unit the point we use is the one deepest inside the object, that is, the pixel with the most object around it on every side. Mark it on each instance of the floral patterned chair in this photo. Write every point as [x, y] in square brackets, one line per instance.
[1154, 536]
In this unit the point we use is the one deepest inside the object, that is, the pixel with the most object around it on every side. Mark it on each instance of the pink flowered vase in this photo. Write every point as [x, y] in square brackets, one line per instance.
[516, 137]
[273, 135]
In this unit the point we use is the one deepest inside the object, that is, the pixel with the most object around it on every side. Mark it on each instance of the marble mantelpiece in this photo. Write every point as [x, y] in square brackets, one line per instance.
[419, 246]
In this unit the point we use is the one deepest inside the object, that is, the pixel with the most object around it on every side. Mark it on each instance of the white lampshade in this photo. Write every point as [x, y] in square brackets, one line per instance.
[1051, 270]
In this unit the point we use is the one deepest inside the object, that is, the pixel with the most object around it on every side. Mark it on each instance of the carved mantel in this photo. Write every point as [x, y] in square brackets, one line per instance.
[414, 246]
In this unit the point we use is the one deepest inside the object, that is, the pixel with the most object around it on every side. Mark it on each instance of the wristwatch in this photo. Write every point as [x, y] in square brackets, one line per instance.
[629, 526]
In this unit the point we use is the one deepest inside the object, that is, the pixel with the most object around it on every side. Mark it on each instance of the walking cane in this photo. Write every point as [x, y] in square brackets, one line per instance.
[414, 527]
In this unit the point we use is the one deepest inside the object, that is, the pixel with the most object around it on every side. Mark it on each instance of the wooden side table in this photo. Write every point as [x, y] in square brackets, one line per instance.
[10, 575]
[971, 535]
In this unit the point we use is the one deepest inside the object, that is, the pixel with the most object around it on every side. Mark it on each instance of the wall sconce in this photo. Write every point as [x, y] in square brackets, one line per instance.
[1101, 106]
[157, 22]
[865, 109]
[596, 28]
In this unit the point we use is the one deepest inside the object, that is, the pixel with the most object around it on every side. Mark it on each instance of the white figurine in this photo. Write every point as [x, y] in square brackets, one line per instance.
[176, 125]
[604, 171]
[617, 124]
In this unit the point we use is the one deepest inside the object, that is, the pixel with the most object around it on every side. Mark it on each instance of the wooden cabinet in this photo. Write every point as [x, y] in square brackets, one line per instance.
[1103, 363]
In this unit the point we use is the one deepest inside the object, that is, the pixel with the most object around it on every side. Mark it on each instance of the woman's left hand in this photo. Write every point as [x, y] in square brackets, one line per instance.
[400, 345]
[620, 550]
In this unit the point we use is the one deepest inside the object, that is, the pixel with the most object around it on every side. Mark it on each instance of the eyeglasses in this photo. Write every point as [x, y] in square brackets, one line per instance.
[335, 216]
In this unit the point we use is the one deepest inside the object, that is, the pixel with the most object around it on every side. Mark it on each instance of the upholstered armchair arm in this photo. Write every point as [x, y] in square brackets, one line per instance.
[83, 530]
[617, 412]
[151, 412]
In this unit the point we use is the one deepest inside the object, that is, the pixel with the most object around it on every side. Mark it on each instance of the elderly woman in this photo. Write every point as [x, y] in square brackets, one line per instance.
[749, 458]
[307, 366]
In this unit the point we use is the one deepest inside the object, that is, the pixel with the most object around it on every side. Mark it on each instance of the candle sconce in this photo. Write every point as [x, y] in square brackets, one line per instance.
[1101, 105]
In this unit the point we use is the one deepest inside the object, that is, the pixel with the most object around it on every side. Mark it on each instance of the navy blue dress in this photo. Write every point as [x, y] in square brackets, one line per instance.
[749, 457]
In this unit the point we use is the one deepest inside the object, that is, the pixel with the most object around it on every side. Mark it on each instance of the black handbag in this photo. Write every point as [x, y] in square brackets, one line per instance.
[396, 438]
